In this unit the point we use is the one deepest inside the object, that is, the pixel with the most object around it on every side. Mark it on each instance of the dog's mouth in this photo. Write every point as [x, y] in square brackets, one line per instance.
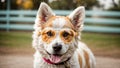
[55, 58]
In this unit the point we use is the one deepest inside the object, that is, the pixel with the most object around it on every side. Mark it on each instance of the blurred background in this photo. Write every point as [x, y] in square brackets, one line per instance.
[101, 29]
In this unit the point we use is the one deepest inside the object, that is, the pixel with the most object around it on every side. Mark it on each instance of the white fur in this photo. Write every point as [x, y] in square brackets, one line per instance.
[49, 48]
[81, 47]
[59, 22]
[70, 49]
[39, 63]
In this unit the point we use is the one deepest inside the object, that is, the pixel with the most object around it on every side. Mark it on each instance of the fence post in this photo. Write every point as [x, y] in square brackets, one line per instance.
[8, 16]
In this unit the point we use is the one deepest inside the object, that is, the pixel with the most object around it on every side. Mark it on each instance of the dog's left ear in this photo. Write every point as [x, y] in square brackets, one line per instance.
[77, 17]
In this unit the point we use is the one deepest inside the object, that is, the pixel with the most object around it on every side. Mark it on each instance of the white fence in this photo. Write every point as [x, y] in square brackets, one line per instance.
[95, 21]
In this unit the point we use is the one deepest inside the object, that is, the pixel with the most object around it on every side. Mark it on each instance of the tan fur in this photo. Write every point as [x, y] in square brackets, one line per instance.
[69, 38]
[86, 59]
[46, 38]
[43, 41]
[80, 60]
[49, 22]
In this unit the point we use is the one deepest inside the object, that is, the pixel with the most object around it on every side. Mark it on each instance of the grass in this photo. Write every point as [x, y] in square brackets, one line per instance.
[16, 43]
[101, 44]
[15, 39]
[101, 40]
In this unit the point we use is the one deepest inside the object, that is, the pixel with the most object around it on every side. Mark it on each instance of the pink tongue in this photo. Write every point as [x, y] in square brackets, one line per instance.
[55, 58]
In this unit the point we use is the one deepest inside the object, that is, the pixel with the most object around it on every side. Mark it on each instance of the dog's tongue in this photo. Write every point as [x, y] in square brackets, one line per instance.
[55, 58]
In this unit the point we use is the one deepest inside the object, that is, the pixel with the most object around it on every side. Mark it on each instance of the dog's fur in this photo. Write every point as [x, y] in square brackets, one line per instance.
[80, 56]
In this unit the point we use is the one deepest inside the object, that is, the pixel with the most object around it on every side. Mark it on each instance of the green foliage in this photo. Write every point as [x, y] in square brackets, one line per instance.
[63, 4]
[13, 5]
[58, 4]
[36, 3]
[72, 4]
[3, 5]
[115, 8]
[87, 3]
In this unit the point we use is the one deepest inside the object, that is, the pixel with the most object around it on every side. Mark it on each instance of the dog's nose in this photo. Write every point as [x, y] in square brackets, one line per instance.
[57, 47]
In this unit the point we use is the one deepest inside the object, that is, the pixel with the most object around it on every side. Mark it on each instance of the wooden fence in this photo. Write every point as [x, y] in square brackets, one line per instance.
[95, 21]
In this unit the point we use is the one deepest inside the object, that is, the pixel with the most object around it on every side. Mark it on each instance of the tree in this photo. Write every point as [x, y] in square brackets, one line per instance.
[72, 4]
[25, 4]
[22, 4]
[116, 7]
[63, 4]
[30, 4]
[87, 3]
[3, 5]
[36, 3]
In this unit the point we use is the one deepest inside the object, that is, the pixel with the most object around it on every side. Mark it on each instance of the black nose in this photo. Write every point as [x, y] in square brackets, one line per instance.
[57, 47]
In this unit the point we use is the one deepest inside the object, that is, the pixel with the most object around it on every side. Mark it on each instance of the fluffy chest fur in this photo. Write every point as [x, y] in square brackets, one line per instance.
[72, 63]
[56, 39]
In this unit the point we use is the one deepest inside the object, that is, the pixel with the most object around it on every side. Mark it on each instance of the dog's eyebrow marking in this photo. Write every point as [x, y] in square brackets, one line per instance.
[46, 38]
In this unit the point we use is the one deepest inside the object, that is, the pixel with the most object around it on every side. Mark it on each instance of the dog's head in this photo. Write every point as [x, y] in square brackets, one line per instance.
[55, 37]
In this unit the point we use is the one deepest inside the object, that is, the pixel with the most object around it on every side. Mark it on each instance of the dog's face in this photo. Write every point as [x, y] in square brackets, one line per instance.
[56, 36]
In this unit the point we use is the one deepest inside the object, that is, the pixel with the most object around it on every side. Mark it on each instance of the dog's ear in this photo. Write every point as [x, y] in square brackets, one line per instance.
[44, 12]
[77, 17]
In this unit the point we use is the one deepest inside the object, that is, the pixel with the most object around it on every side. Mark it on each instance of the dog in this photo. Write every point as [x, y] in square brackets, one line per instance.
[56, 40]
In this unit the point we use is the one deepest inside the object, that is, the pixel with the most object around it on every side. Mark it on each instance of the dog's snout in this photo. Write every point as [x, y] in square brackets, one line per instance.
[57, 47]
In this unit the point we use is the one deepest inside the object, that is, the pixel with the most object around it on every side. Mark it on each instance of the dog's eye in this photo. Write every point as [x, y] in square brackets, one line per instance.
[65, 34]
[49, 33]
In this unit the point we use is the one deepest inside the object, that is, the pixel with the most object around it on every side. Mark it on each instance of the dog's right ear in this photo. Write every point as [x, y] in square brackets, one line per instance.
[44, 13]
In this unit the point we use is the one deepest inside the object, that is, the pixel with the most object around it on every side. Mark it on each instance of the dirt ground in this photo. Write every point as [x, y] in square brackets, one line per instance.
[25, 61]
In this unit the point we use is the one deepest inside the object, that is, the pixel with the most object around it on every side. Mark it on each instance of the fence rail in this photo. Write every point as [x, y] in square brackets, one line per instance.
[95, 21]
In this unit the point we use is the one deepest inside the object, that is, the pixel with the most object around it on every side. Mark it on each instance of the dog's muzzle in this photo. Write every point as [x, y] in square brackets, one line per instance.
[57, 48]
